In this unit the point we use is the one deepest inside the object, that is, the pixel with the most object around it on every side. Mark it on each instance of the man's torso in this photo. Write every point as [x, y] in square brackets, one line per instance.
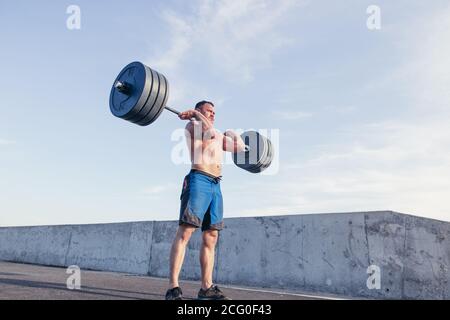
[207, 152]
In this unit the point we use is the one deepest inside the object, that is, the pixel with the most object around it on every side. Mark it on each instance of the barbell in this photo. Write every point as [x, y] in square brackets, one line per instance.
[139, 95]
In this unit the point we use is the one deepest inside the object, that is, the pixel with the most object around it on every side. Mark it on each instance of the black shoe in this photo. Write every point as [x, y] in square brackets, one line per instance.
[174, 294]
[213, 293]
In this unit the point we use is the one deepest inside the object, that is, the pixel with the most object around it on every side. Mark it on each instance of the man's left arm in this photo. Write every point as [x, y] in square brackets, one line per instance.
[232, 142]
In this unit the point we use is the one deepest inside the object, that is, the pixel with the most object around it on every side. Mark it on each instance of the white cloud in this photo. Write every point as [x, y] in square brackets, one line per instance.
[401, 164]
[340, 109]
[291, 114]
[180, 42]
[432, 65]
[388, 166]
[424, 74]
[234, 38]
[6, 142]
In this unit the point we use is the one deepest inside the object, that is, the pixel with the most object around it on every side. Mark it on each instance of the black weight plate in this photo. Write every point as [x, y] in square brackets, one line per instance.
[242, 159]
[123, 105]
[160, 103]
[136, 112]
[256, 168]
[250, 160]
[265, 158]
[157, 105]
[163, 104]
[263, 154]
[269, 157]
[151, 98]
[269, 162]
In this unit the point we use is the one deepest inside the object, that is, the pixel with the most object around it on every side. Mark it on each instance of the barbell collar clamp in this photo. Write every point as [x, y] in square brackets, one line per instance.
[123, 87]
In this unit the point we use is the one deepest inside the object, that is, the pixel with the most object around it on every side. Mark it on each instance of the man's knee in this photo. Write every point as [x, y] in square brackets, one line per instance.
[210, 238]
[185, 232]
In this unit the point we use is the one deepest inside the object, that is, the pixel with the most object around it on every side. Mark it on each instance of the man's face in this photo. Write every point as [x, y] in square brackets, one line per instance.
[208, 111]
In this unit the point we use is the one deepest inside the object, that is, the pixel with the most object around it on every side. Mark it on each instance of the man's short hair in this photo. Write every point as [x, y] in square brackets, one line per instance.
[201, 103]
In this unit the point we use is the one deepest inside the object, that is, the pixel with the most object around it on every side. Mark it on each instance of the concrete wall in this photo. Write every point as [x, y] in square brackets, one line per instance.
[320, 253]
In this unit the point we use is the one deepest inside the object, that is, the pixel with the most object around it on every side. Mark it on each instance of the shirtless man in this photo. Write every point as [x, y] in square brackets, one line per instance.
[201, 198]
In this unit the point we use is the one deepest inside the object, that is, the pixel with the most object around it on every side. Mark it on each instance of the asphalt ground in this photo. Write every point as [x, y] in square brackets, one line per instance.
[35, 282]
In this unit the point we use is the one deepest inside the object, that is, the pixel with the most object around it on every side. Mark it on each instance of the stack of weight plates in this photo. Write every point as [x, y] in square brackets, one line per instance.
[260, 153]
[143, 95]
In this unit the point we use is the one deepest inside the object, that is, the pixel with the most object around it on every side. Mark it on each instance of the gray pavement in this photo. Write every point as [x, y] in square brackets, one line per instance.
[33, 282]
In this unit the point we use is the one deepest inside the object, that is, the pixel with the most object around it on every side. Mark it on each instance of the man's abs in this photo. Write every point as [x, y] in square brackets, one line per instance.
[212, 169]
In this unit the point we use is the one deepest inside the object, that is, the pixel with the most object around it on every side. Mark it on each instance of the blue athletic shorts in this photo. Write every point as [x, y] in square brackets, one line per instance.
[201, 201]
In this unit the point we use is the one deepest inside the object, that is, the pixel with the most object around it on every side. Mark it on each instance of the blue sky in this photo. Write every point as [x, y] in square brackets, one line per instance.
[362, 114]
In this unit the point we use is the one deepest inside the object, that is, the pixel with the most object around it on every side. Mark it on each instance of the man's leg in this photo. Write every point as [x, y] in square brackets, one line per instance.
[177, 252]
[207, 256]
